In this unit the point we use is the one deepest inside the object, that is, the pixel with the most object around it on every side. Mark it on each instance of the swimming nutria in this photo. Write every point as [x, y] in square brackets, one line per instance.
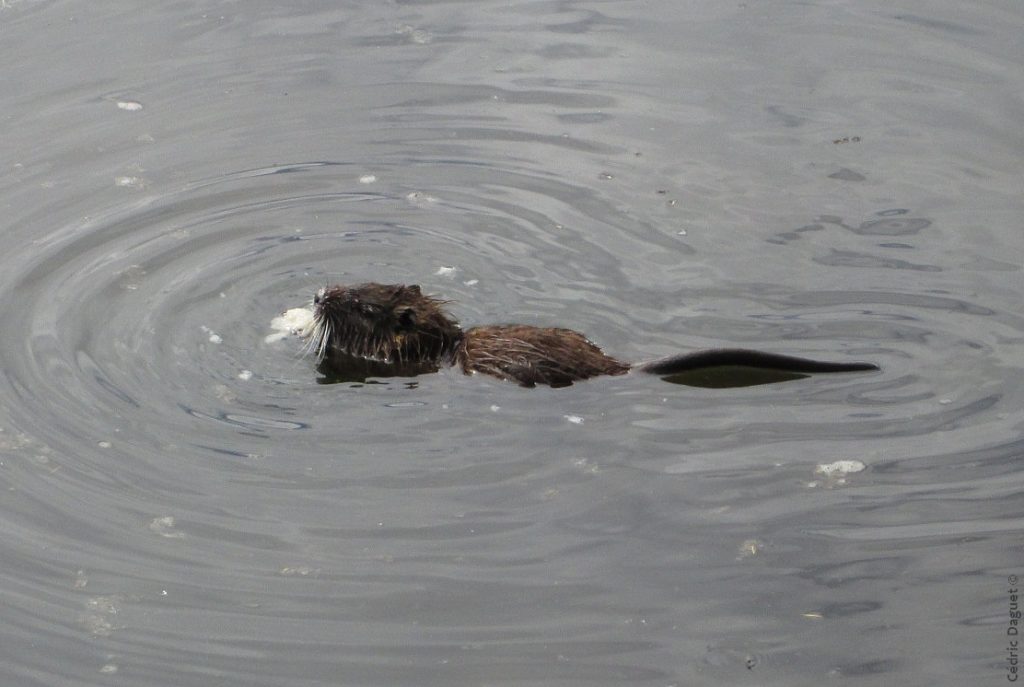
[395, 330]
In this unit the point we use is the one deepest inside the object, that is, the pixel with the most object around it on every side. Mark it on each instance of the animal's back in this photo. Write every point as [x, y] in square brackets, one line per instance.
[534, 355]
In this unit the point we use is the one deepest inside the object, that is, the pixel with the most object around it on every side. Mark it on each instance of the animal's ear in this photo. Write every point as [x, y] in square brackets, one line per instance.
[407, 318]
[415, 288]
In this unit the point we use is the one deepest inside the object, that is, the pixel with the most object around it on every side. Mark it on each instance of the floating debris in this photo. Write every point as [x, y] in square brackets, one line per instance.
[292, 322]
[835, 473]
[414, 35]
[164, 526]
[749, 548]
[214, 337]
[840, 468]
[129, 182]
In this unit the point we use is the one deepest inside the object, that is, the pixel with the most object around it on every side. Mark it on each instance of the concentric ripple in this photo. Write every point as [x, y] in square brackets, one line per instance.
[184, 502]
[200, 462]
[141, 386]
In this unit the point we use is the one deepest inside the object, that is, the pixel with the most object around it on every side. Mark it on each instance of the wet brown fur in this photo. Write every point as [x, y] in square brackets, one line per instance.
[534, 355]
[396, 329]
[398, 325]
[390, 323]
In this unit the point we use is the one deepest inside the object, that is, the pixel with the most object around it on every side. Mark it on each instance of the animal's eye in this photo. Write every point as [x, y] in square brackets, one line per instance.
[407, 318]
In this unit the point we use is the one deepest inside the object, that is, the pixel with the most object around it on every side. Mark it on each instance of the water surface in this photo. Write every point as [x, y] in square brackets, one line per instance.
[185, 504]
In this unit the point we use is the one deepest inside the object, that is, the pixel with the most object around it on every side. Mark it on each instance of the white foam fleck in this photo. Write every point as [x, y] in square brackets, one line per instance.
[414, 35]
[214, 337]
[367, 179]
[420, 198]
[835, 473]
[750, 547]
[299, 570]
[129, 105]
[164, 526]
[840, 467]
[98, 614]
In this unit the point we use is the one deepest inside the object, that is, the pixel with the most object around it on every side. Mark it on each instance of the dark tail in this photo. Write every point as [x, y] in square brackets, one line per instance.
[741, 357]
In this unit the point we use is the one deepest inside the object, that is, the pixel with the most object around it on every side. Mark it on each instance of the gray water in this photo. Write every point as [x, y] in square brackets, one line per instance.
[184, 504]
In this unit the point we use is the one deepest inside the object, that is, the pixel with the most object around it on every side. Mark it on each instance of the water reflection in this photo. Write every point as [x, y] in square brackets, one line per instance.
[184, 502]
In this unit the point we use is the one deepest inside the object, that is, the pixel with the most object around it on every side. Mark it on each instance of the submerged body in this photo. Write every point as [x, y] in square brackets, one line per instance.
[395, 330]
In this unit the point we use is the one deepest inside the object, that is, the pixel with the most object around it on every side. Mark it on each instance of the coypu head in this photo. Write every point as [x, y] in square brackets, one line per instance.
[391, 323]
